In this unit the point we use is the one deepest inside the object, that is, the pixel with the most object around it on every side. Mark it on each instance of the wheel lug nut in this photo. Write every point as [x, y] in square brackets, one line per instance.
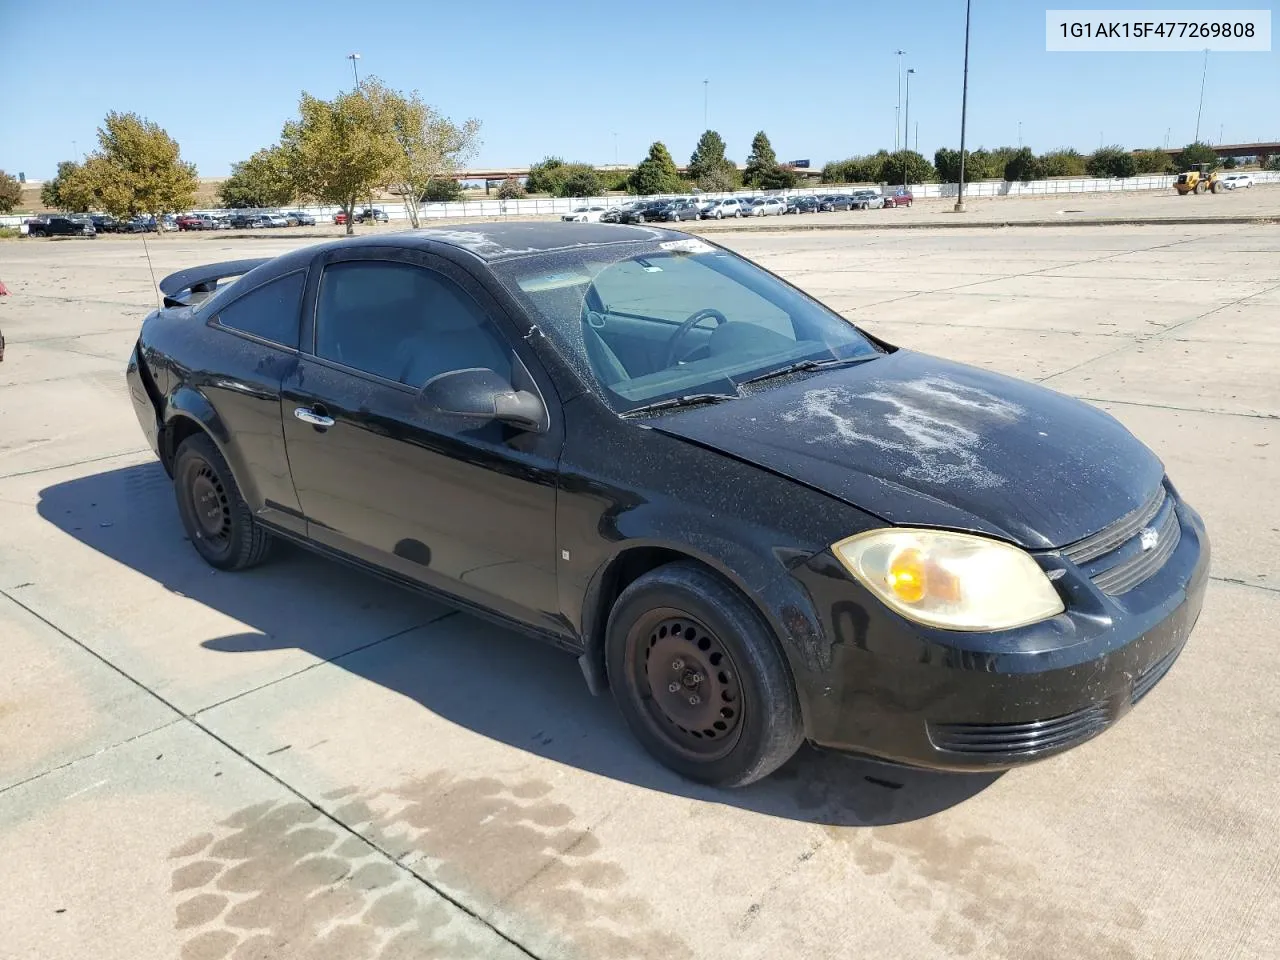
[694, 701]
[674, 687]
[696, 678]
[677, 664]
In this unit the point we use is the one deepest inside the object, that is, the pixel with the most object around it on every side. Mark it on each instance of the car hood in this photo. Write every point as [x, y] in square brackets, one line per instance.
[920, 441]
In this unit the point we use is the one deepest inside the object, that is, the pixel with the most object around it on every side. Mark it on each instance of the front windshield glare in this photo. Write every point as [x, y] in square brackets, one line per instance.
[651, 321]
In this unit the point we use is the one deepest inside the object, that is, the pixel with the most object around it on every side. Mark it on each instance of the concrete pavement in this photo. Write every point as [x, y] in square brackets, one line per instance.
[300, 761]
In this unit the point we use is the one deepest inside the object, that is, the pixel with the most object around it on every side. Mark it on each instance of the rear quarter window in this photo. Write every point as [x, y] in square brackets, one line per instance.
[270, 312]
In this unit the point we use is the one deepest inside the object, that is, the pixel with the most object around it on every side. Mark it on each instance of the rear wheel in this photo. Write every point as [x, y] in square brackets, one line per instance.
[700, 679]
[217, 519]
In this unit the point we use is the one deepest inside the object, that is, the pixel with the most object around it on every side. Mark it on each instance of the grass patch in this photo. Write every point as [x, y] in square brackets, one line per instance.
[9, 233]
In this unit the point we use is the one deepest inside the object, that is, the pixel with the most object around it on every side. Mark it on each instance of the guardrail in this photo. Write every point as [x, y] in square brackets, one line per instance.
[487, 208]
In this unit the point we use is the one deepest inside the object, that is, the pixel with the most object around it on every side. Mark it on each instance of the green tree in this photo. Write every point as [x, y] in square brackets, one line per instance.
[429, 147]
[511, 189]
[1197, 153]
[708, 166]
[1152, 161]
[439, 190]
[1230, 163]
[545, 176]
[340, 151]
[137, 169]
[10, 192]
[1063, 162]
[761, 161]
[1113, 161]
[1272, 162]
[261, 181]
[1023, 166]
[907, 166]
[865, 169]
[52, 189]
[656, 173]
[581, 181]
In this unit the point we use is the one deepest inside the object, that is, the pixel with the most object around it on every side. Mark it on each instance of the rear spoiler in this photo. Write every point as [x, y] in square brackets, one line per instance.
[192, 285]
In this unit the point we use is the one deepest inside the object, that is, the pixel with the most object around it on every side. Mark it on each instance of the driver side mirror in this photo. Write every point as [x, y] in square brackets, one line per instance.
[478, 393]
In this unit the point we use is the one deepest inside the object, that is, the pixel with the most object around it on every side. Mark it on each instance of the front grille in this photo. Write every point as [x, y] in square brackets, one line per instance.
[1123, 555]
[1028, 737]
[1153, 674]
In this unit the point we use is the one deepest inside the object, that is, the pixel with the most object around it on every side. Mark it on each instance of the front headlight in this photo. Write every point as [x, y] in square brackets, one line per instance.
[956, 581]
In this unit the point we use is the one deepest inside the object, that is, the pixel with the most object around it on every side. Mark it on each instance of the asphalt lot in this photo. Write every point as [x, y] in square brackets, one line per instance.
[301, 761]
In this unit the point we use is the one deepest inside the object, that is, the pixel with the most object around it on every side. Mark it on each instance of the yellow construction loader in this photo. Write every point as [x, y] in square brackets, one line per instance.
[1197, 181]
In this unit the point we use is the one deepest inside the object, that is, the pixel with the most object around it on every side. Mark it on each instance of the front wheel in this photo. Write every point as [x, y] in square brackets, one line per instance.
[218, 522]
[700, 678]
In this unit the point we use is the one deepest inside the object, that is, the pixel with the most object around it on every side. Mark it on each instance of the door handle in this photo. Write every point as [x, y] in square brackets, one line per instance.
[307, 415]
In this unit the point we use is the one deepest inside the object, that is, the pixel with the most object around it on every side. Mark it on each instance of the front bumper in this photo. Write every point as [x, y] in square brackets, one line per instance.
[968, 701]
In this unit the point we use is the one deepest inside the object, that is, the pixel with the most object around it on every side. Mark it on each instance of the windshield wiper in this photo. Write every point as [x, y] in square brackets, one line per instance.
[801, 366]
[688, 400]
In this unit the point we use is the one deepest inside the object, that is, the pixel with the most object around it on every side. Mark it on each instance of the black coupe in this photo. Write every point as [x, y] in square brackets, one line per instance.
[754, 522]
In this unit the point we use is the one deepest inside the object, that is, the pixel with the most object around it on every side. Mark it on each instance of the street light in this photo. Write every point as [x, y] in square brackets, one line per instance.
[897, 111]
[1204, 73]
[964, 107]
[906, 127]
[706, 125]
[353, 57]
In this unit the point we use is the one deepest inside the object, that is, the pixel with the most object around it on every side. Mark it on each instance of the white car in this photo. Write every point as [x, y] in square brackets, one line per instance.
[1233, 181]
[766, 207]
[867, 200]
[275, 220]
[584, 215]
[729, 207]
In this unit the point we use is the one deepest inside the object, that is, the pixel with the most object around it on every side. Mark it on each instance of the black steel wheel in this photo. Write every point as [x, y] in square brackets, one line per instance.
[218, 522]
[700, 678]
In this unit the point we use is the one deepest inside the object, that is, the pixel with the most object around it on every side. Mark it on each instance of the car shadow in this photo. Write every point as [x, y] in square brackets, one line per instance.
[492, 681]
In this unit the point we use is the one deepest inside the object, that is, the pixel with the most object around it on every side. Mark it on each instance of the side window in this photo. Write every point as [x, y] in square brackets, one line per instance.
[270, 311]
[403, 322]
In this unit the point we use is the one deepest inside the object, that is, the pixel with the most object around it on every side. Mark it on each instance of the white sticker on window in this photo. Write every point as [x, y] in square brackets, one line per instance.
[686, 246]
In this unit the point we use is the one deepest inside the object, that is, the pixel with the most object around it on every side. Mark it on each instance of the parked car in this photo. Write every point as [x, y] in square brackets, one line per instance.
[584, 214]
[766, 207]
[1235, 181]
[615, 214]
[222, 222]
[340, 217]
[867, 200]
[899, 198]
[644, 211]
[371, 213]
[274, 220]
[728, 207]
[802, 204]
[677, 210]
[864, 549]
[298, 218]
[137, 225]
[835, 201]
[241, 220]
[104, 223]
[61, 225]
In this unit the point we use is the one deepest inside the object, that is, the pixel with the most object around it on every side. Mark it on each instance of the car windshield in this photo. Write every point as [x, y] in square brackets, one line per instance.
[621, 314]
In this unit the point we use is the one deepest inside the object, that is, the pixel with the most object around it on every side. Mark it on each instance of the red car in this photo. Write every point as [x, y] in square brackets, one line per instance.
[189, 221]
[902, 198]
[339, 217]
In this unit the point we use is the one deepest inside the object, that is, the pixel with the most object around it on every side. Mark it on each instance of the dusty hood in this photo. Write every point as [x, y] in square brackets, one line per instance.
[921, 441]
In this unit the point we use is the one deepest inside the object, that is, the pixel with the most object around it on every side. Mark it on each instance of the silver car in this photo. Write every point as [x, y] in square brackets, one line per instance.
[867, 200]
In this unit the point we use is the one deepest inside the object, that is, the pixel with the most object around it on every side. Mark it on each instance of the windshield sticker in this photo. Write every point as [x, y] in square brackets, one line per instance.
[686, 246]
[554, 281]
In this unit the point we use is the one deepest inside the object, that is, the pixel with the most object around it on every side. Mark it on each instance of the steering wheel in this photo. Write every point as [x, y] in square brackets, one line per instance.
[673, 345]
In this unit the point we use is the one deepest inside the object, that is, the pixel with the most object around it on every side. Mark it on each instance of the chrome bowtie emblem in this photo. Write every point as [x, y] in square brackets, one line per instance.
[1148, 537]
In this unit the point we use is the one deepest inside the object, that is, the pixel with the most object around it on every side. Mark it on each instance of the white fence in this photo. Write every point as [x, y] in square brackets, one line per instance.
[549, 206]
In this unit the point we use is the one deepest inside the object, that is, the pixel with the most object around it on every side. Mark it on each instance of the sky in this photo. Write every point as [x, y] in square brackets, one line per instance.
[595, 81]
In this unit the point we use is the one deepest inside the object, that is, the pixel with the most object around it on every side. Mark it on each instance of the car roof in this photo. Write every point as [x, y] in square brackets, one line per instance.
[505, 241]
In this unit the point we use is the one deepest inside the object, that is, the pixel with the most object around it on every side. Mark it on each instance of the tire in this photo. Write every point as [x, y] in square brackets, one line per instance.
[719, 215]
[1200, 187]
[217, 520]
[714, 648]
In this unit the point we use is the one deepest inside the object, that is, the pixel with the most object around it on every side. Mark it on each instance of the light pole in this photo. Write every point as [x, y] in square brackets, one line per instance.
[906, 127]
[1019, 134]
[353, 57]
[1203, 73]
[964, 107]
[706, 123]
[897, 111]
